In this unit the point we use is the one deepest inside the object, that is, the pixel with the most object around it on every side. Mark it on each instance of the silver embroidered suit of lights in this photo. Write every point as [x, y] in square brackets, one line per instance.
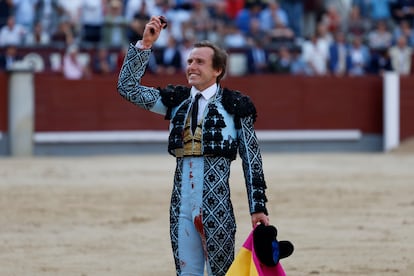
[227, 128]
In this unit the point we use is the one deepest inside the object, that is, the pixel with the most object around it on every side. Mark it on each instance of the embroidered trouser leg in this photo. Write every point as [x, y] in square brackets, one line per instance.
[191, 239]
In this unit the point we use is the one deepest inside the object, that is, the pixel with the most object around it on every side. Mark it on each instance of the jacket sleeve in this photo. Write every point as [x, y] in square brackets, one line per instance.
[252, 166]
[129, 82]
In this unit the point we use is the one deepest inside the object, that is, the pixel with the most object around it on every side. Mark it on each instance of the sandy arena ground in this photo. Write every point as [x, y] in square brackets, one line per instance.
[347, 214]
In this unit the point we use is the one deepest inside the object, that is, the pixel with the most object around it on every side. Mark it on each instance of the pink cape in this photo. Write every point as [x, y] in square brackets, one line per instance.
[246, 263]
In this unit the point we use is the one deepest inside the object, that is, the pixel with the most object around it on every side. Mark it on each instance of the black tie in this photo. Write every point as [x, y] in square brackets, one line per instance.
[194, 113]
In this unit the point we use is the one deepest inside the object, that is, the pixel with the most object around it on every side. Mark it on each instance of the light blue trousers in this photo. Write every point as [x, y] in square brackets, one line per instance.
[192, 250]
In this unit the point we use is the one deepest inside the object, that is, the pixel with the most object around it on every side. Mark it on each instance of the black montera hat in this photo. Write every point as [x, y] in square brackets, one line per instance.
[268, 249]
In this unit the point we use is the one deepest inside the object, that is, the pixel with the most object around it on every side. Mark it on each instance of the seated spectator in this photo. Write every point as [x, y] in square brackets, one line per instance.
[234, 38]
[403, 10]
[102, 62]
[169, 58]
[48, 13]
[71, 13]
[72, 68]
[356, 24]
[199, 22]
[92, 17]
[272, 15]
[281, 34]
[24, 12]
[9, 57]
[6, 9]
[220, 20]
[315, 54]
[249, 12]
[406, 30]
[12, 33]
[257, 58]
[380, 37]
[297, 65]
[38, 37]
[401, 56]
[63, 36]
[380, 62]
[360, 57]
[339, 58]
[332, 19]
[379, 10]
[115, 25]
[282, 64]
[256, 33]
[136, 26]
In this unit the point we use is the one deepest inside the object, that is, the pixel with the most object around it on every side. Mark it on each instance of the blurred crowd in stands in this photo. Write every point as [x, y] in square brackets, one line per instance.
[300, 37]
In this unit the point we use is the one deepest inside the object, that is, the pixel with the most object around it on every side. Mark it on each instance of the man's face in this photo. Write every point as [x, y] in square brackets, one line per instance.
[200, 71]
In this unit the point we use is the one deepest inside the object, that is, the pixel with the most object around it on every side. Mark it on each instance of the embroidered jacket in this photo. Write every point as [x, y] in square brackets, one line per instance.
[227, 125]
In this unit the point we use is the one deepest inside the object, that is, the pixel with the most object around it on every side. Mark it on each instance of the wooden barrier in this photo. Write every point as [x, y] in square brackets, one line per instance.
[283, 103]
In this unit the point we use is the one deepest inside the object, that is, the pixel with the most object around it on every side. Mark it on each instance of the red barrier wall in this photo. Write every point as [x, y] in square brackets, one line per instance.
[283, 103]
[407, 108]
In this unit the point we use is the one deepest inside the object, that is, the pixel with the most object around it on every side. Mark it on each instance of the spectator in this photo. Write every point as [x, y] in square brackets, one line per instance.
[313, 9]
[73, 69]
[298, 66]
[245, 16]
[64, 35]
[403, 10]
[72, 14]
[257, 57]
[38, 37]
[9, 57]
[48, 13]
[115, 26]
[102, 62]
[380, 62]
[199, 22]
[234, 38]
[332, 19]
[360, 57]
[379, 10]
[233, 7]
[6, 9]
[406, 30]
[256, 33]
[169, 58]
[92, 17]
[401, 56]
[136, 26]
[339, 58]
[380, 37]
[177, 19]
[295, 11]
[12, 33]
[24, 11]
[185, 48]
[133, 7]
[273, 15]
[355, 24]
[282, 63]
[220, 20]
[315, 55]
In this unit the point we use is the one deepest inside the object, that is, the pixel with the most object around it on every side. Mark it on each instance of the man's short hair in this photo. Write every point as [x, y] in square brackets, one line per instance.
[219, 59]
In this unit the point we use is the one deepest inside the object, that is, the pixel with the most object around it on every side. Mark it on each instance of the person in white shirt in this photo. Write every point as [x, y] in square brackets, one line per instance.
[12, 33]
